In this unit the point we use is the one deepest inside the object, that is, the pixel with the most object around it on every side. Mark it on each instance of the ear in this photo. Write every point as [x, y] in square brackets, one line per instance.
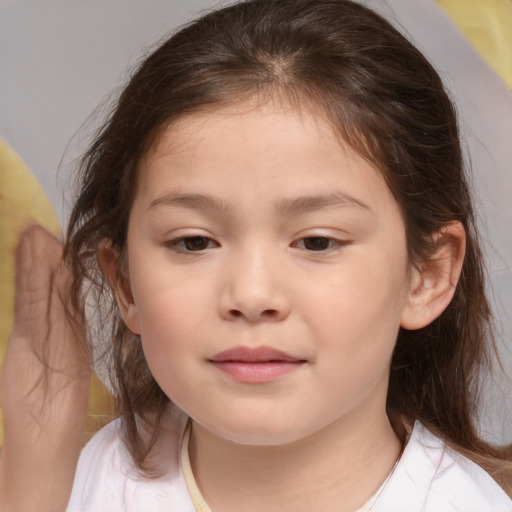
[109, 259]
[433, 282]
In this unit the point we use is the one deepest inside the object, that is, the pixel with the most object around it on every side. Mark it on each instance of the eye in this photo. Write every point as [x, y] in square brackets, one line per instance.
[191, 243]
[318, 243]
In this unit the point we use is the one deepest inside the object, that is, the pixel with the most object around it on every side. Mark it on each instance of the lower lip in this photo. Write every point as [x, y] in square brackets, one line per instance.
[256, 373]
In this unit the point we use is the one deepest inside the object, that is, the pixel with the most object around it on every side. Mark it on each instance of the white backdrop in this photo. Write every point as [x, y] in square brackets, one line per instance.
[60, 58]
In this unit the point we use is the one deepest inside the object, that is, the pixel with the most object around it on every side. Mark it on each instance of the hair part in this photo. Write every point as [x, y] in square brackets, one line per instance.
[385, 100]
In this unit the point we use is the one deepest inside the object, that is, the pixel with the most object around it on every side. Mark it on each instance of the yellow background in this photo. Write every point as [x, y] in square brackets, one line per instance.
[488, 26]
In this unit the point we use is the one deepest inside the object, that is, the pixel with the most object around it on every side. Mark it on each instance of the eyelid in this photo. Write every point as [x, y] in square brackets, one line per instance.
[173, 243]
[335, 242]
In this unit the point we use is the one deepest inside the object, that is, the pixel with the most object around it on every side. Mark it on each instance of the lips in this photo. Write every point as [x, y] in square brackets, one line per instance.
[255, 365]
[253, 355]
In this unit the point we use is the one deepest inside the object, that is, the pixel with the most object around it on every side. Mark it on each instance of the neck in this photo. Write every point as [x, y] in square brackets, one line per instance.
[337, 468]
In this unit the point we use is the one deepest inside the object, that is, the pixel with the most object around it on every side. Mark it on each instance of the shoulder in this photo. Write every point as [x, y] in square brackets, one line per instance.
[106, 478]
[432, 477]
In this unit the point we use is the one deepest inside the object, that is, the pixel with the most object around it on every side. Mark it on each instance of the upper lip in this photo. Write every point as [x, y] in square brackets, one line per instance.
[253, 355]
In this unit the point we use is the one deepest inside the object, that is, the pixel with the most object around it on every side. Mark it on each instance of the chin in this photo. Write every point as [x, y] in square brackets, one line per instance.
[258, 433]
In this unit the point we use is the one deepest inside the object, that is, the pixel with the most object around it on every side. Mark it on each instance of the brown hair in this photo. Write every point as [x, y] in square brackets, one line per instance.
[386, 100]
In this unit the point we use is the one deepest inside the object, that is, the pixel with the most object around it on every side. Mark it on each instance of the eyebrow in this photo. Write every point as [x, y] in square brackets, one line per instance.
[193, 201]
[305, 204]
[285, 207]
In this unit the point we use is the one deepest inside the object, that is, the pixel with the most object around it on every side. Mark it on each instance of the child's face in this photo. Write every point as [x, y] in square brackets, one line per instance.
[255, 229]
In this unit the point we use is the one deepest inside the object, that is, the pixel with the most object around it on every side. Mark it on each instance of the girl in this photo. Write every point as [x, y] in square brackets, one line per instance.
[278, 233]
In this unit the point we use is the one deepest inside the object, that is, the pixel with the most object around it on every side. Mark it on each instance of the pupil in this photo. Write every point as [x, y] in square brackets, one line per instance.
[316, 243]
[196, 243]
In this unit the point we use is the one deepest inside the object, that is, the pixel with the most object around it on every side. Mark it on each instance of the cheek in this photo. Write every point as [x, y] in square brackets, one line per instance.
[363, 303]
[172, 317]
[172, 311]
[168, 298]
[171, 333]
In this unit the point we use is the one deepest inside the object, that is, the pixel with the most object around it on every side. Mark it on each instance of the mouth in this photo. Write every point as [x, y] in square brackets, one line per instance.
[258, 365]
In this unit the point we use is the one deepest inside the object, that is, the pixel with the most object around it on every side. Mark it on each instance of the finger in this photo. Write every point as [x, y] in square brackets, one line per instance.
[38, 257]
[69, 349]
[44, 318]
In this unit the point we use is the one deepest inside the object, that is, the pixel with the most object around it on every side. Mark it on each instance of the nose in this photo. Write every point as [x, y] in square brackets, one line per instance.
[253, 289]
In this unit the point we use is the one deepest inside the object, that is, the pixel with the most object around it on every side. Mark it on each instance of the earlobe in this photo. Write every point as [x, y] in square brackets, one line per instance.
[110, 264]
[433, 283]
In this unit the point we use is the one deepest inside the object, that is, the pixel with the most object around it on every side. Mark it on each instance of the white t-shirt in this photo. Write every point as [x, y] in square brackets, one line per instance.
[430, 477]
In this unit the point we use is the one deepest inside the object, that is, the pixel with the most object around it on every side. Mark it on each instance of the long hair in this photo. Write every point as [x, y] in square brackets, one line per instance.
[382, 97]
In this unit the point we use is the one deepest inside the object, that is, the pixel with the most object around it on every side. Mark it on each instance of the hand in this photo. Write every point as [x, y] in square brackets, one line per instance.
[44, 382]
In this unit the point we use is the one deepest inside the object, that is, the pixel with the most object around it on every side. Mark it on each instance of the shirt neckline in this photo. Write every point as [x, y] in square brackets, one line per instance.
[199, 502]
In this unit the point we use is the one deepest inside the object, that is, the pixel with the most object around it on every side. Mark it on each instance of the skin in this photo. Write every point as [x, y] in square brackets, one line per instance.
[44, 407]
[243, 268]
[258, 281]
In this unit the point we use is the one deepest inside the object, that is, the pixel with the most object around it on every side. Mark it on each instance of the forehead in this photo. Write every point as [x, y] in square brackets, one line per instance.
[251, 148]
[265, 107]
[267, 123]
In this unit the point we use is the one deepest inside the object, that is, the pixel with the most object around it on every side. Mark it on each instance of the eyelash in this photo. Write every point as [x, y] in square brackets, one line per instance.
[332, 243]
[180, 244]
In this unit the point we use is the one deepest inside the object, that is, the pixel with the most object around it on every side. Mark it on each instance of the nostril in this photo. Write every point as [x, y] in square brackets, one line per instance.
[269, 314]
